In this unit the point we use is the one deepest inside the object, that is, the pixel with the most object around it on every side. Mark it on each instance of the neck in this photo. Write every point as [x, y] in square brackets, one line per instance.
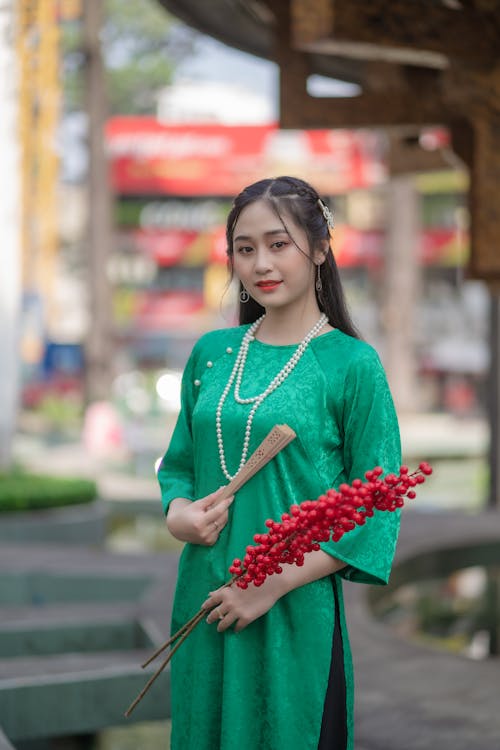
[286, 327]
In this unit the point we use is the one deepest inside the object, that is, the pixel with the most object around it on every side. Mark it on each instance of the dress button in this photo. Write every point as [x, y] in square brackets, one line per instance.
[197, 382]
[210, 364]
[229, 350]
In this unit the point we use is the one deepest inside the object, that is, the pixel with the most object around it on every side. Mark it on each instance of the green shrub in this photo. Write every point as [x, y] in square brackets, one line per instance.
[19, 491]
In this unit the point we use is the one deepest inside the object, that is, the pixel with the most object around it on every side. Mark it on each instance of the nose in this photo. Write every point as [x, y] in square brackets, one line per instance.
[263, 260]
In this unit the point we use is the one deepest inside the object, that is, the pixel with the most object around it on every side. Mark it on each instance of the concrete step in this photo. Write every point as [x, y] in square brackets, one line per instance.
[73, 693]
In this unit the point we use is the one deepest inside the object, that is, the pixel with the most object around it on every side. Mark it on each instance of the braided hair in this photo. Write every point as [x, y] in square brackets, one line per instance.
[300, 201]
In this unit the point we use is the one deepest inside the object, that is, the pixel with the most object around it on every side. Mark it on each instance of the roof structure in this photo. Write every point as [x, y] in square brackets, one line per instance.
[419, 63]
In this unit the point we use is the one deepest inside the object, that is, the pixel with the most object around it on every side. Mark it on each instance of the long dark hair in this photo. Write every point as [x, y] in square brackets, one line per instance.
[299, 200]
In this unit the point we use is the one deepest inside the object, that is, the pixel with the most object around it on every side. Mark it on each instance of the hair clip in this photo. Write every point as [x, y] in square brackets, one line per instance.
[326, 213]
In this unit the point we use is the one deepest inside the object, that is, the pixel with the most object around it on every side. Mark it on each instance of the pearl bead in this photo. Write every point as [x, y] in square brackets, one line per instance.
[197, 382]
[237, 375]
[210, 364]
[229, 350]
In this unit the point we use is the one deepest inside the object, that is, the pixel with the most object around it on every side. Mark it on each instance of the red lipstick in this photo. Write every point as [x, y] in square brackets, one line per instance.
[268, 286]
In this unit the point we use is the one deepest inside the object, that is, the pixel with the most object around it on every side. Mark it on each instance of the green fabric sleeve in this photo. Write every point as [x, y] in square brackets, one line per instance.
[176, 472]
[371, 438]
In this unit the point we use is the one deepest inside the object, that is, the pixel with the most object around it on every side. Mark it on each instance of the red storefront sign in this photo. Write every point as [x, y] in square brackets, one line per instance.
[191, 248]
[156, 311]
[151, 158]
[437, 247]
[351, 247]
[167, 247]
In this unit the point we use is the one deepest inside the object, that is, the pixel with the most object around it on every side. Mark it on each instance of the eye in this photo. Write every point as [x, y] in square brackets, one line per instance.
[279, 244]
[244, 250]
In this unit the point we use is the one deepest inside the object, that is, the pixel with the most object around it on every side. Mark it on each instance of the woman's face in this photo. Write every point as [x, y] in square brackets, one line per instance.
[268, 262]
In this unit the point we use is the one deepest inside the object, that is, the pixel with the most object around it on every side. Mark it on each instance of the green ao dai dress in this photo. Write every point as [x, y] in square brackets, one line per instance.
[265, 686]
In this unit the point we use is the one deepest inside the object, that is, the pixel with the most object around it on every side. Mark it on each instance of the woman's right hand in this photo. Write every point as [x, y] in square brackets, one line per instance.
[199, 521]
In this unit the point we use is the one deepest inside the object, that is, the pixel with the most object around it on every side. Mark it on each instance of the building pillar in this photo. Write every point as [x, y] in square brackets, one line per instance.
[400, 290]
[10, 272]
[493, 405]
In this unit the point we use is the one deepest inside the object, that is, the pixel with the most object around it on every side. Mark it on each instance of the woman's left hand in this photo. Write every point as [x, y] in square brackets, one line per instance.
[231, 605]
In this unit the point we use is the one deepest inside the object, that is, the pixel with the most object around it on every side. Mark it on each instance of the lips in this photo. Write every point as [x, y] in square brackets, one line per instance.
[268, 285]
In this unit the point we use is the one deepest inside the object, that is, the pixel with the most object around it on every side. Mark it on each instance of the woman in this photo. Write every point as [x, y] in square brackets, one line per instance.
[271, 666]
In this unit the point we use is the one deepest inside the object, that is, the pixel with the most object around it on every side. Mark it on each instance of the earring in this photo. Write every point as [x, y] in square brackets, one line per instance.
[319, 283]
[244, 296]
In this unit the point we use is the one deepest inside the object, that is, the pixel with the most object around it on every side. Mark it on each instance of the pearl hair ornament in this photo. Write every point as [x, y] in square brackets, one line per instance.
[326, 213]
[236, 377]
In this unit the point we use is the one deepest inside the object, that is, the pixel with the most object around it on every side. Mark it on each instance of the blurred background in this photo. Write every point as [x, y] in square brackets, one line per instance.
[125, 134]
[122, 268]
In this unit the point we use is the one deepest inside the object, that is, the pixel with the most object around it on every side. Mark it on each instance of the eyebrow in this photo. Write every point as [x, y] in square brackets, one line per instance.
[271, 233]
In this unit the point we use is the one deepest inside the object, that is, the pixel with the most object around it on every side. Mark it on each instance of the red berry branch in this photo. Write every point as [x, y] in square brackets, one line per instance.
[329, 517]
[302, 529]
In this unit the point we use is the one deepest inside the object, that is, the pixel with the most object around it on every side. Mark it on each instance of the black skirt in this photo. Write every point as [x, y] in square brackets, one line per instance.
[334, 723]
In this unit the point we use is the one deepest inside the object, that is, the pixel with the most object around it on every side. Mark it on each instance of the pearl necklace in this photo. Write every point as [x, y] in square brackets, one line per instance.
[237, 375]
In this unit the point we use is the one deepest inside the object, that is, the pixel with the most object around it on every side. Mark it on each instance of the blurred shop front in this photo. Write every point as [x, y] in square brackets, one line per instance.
[174, 185]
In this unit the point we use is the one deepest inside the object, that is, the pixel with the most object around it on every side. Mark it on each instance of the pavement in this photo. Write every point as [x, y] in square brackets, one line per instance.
[408, 696]
[414, 697]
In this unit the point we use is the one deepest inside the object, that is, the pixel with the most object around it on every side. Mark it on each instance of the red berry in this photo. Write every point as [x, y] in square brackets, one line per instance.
[425, 468]
[330, 516]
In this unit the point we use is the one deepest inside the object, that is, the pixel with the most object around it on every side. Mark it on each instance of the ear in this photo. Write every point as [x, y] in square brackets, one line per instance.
[321, 252]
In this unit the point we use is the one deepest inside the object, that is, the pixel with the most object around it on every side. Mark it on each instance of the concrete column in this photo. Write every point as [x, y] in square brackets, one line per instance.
[400, 290]
[99, 343]
[494, 399]
[10, 251]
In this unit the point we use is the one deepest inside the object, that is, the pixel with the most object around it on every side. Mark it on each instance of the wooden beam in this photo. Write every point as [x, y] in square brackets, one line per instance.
[310, 21]
[399, 109]
[485, 214]
[467, 99]
[462, 140]
[419, 32]
[406, 156]
[408, 96]
[408, 99]
[490, 6]
[475, 97]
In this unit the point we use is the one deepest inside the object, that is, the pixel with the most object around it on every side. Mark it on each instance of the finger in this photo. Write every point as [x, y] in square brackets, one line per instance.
[240, 625]
[222, 517]
[212, 498]
[220, 505]
[215, 615]
[213, 599]
[212, 534]
[226, 622]
[210, 603]
[213, 539]
[218, 508]
[217, 524]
